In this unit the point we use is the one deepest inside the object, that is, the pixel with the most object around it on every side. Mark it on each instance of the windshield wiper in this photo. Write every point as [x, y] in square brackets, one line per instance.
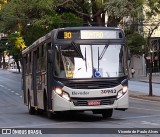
[78, 50]
[80, 53]
[102, 53]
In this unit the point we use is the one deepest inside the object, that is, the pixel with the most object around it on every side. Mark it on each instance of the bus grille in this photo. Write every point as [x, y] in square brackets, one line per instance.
[92, 84]
[84, 101]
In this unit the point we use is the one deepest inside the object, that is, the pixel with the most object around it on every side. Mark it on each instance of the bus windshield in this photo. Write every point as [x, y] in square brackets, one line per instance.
[89, 61]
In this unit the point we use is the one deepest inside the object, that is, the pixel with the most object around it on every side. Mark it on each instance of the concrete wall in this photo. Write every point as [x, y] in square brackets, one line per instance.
[138, 63]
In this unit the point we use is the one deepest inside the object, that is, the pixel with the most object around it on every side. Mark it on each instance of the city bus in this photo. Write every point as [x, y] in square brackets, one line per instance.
[76, 69]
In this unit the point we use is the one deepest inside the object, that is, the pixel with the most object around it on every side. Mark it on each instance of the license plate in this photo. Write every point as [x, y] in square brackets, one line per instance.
[94, 102]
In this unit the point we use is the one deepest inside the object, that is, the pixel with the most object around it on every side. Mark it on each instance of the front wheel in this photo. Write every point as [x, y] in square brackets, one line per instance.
[48, 113]
[31, 109]
[107, 113]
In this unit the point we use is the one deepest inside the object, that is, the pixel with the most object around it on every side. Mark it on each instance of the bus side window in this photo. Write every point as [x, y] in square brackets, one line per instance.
[42, 58]
[45, 55]
[38, 60]
[49, 46]
[24, 65]
[29, 63]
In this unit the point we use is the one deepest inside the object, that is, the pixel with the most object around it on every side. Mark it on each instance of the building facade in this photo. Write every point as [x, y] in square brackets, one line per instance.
[140, 64]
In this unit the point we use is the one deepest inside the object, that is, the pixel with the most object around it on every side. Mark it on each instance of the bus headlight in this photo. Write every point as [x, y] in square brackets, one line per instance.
[59, 91]
[63, 94]
[122, 92]
[66, 96]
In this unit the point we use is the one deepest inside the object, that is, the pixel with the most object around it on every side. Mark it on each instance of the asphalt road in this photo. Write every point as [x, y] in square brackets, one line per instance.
[14, 114]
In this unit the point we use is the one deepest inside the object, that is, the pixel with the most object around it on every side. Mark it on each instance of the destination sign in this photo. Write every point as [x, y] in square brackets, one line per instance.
[89, 34]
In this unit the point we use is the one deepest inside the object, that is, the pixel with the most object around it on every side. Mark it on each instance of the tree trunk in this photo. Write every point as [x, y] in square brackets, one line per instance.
[150, 78]
[113, 21]
[99, 21]
[0, 60]
[4, 63]
[18, 67]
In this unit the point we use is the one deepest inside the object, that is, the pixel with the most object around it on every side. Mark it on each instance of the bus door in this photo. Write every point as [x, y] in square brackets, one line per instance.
[34, 80]
[49, 77]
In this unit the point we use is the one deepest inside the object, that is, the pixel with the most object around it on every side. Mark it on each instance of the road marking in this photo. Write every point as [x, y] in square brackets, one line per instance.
[2, 86]
[17, 94]
[145, 109]
[10, 90]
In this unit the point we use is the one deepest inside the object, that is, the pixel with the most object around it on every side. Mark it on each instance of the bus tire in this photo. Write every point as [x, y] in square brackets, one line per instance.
[48, 113]
[39, 111]
[31, 109]
[107, 113]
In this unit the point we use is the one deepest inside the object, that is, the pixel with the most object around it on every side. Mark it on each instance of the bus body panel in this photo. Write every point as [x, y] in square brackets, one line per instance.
[60, 104]
[84, 93]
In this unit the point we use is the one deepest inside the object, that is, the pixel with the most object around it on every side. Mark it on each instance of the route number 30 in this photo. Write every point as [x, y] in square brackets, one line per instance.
[67, 35]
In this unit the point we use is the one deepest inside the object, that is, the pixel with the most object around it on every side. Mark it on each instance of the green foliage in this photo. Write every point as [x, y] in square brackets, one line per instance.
[121, 8]
[135, 42]
[154, 8]
[3, 45]
[16, 15]
[43, 18]
[71, 20]
[12, 48]
[39, 13]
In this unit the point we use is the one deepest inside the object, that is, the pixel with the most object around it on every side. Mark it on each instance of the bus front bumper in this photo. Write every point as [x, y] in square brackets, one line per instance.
[61, 104]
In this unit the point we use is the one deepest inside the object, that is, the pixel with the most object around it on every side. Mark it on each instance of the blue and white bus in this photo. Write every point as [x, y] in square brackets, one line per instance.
[76, 69]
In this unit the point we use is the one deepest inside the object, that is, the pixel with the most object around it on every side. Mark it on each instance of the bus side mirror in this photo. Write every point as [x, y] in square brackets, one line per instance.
[50, 56]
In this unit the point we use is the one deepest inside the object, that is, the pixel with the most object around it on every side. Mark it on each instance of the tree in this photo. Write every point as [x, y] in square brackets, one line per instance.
[149, 56]
[37, 18]
[3, 48]
[152, 22]
[32, 19]
[135, 42]
[93, 12]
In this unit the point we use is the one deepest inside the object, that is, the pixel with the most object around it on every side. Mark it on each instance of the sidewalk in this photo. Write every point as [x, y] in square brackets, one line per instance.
[14, 70]
[155, 78]
[141, 95]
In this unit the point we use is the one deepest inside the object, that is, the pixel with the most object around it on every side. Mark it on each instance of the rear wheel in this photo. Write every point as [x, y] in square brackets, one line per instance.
[107, 113]
[31, 109]
[39, 111]
[50, 115]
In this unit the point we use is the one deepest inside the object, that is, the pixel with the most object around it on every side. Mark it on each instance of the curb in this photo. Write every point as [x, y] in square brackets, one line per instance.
[148, 81]
[138, 95]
